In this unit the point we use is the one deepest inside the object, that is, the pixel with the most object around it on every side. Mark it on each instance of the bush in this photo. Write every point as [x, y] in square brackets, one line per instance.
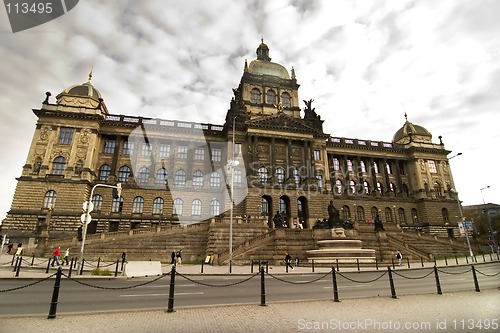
[101, 272]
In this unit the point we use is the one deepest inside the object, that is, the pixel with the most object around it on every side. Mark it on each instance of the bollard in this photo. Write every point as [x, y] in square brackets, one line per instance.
[171, 291]
[13, 258]
[337, 261]
[392, 261]
[435, 264]
[267, 266]
[376, 263]
[491, 257]
[17, 263]
[408, 261]
[98, 262]
[357, 262]
[475, 258]
[476, 283]
[484, 260]
[55, 294]
[422, 261]
[81, 268]
[456, 259]
[19, 266]
[438, 285]
[230, 266]
[48, 266]
[70, 267]
[262, 288]
[116, 268]
[445, 261]
[123, 263]
[312, 266]
[251, 266]
[391, 282]
[466, 259]
[32, 260]
[335, 289]
[498, 254]
[286, 267]
[202, 263]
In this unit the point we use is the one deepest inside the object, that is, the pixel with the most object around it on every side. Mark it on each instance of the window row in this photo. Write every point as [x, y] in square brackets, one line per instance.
[365, 188]
[270, 97]
[363, 166]
[164, 150]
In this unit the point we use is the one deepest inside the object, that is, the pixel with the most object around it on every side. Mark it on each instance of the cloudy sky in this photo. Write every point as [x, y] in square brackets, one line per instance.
[365, 63]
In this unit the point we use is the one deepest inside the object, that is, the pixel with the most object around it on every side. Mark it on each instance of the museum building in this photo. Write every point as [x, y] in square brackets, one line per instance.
[269, 156]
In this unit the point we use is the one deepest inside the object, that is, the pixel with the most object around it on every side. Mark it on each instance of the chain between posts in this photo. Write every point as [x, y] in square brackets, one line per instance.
[414, 278]
[217, 285]
[28, 285]
[487, 275]
[452, 273]
[306, 282]
[116, 288]
[352, 280]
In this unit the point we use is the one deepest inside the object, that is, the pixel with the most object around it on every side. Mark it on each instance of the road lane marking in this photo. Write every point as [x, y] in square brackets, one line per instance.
[147, 295]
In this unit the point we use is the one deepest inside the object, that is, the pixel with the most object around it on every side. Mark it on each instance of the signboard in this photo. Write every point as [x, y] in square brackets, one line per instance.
[462, 229]
[85, 218]
[469, 225]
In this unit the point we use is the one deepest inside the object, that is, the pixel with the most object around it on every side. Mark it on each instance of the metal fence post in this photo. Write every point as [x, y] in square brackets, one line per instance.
[476, 283]
[408, 261]
[456, 259]
[15, 266]
[376, 263]
[71, 267]
[13, 258]
[312, 266]
[422, 261]
[48, 266]
[392, 261]
[251, 267]
[391, 282]
[81, 268]
[262, 288]
[98, 262]
[337, 262]
[18, 268]
[116, 268]
[445, 261]
[335, 289]
[55, 294]
[357, 263]
[202, 263]
[438, 285]
[467, 258]
[171, 291]
[32, 260]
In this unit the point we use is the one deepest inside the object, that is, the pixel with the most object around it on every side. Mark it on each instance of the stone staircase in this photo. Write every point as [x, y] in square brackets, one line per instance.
[341, 250]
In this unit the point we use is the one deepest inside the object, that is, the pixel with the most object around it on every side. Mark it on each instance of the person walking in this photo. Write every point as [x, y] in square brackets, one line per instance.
[9, 248]
[66, 256]
[178, 256]
[399, 256]
[55, 256]
[288, 261]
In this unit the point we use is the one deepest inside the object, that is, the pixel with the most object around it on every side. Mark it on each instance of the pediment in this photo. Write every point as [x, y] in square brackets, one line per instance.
[281, 121]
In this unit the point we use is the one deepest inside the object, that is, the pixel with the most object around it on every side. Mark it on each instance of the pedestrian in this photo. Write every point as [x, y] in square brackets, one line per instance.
[9, 248]
[172, 257]
[124, 256]
[399, 256]
[19, 251]
[178, 256]
[288, 261]
[296, 261]
[66, 256]
[55, 256]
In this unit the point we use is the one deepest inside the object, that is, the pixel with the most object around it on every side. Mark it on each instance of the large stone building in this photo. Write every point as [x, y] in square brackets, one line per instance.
[178, 171]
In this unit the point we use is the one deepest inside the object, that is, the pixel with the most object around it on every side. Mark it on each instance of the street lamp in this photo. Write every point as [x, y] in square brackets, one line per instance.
[231, 165]
[458, 154]
[484, 188]
[88, 206]
[463, 221]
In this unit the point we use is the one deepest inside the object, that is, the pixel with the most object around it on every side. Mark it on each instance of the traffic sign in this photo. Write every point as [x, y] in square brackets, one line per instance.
[85, 218]
[88, 206]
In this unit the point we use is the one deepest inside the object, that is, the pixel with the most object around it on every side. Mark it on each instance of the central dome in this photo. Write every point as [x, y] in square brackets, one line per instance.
[85, 89]
[264, 66]
[411, 132]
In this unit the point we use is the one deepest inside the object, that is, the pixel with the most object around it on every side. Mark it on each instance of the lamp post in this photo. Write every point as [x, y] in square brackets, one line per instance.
[482, 189]
[488, 218]
[88, 206]
[232, 164]
[463, 221]
[458, 154]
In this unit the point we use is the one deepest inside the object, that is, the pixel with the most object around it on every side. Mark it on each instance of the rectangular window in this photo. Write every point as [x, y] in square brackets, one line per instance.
[146, 149]
[402, 169]
[237, 149]
[164, 150]
[199, 153]
[320, 181]
[363, 166]
[216, 154]
[336, 164]
[66, 135]
[109, 146]
[432, 166]
[182, 152]
[317, 155]
[349, 165]
[128, 148]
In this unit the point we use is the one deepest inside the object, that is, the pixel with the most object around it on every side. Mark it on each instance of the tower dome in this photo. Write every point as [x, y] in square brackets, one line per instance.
[263, 65]
[411, 132]
[82, 95]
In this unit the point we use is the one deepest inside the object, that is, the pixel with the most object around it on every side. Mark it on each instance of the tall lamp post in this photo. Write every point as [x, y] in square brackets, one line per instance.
[463, 221]
[482, 196]
[490, 226]
[88, 206]
[231, 165]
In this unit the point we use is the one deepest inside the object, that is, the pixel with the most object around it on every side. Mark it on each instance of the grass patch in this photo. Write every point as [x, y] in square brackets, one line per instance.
[101, 272]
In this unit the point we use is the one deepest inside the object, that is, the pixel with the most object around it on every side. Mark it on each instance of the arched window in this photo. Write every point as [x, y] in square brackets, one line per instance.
[437, 189]
[446, 218]
[138, 205]
[388, 214]
[375, 167]
[177, 207]
[214, 208]
[158, 206]
[280, 174]
[286, 100]
[374, 212]
[296, 176]
[58, 165]
[350, 165]
[380, 188]
[215, 179]
[271, 97]
[388, 167]
[362, 165]
[104, 172]
[161, 176]
[414, 215]
[198, 179]
[263, 174]
[143, 175]
[401, 215]
[255, 96]
[352, 187]
[196, 207]
[366, 187]
[97, 201]
[265, 205]
[346, 213]
[338, 187]
[117, 205]
[123, 174]
[180, 178]
[392, 187]
[50, 199]
[360, 213]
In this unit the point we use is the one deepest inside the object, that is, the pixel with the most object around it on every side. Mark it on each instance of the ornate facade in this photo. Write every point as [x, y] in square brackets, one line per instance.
[175, 171]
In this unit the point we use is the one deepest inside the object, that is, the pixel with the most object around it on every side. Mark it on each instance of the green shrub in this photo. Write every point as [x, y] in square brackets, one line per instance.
[101, 272]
